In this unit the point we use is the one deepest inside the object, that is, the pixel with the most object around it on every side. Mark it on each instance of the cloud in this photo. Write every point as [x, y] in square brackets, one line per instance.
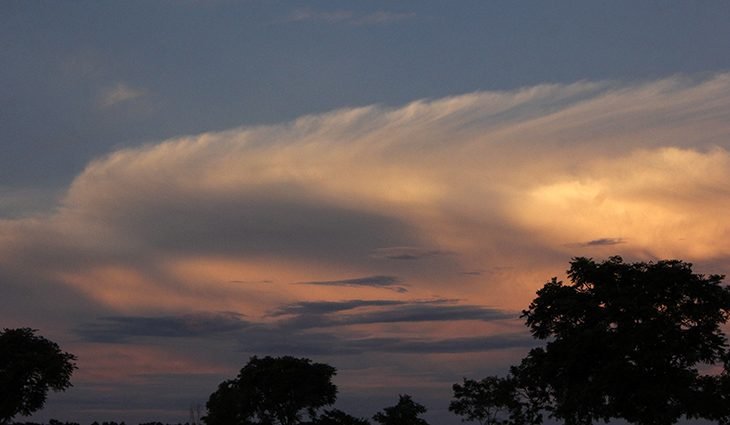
[119, 93]
[378, 281]
[342, 201]
[304, 315]
[123, 328]
[303, 308]
[321, 344]
[307, 14]
[348, 16]
[383, 17]
[513, 177]
[604, 242]
[407, 253]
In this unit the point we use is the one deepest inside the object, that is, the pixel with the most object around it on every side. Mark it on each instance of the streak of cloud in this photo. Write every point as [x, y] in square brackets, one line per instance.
[378, 281]
[604, 242]
[320, 314]
[120, 328]
[119, 93]
[348, 16]
[407, 253]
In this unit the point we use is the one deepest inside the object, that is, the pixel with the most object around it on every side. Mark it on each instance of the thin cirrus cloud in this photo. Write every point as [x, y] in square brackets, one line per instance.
[347, 16]
[119, 93]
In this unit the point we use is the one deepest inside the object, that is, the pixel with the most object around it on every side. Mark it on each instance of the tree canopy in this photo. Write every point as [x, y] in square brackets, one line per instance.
[406, 412]
[338, 417]
[273, 391]
[30, 365]
[639, 341]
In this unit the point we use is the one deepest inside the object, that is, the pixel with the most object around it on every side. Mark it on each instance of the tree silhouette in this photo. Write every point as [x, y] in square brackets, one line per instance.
[493, 401]
[30, 365]
[406, 412]
[338, 417]
[624, 340]
[272, 391]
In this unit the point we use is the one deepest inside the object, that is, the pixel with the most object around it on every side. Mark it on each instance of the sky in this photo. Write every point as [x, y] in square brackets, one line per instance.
[381, 186]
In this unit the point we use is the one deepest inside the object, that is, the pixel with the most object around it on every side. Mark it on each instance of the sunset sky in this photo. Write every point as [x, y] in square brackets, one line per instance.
[381, 186]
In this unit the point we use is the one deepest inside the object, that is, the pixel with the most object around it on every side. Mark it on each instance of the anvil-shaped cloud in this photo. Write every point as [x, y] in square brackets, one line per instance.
[515, 183]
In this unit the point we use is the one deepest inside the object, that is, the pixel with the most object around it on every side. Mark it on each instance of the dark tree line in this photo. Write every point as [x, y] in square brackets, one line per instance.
[290, 391]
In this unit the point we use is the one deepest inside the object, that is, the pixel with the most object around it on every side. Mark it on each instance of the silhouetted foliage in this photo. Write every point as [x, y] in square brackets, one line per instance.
[624, 341]
[406, 412]
[492, 401]
[272, 391]
[30, 365]
[338, 417]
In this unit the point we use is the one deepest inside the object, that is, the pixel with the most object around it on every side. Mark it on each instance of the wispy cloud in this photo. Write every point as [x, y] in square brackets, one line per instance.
[351, 17]
[388, 282]
[123, 328]
[319, 344]
[604, 242]
[407, 253]
[306, 314]
[119, 93]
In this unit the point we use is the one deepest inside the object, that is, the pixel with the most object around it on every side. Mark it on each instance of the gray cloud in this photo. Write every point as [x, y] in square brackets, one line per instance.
[325, 307]
[463, 345]
[407, 253]
[604, 242]
[358, 312]
[124, 328]
[293, 333]
[267, 222]
[599, 242]
[321, 344]
[251, 282]
[378, 281]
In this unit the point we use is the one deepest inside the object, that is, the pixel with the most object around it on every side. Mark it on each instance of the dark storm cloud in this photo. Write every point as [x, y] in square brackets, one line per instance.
[124, 328]
[378, 281]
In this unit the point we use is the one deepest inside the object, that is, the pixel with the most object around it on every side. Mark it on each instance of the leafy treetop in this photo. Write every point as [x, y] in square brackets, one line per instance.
[623, 340]
[272, 391]
[30, 365]
[406, 412]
